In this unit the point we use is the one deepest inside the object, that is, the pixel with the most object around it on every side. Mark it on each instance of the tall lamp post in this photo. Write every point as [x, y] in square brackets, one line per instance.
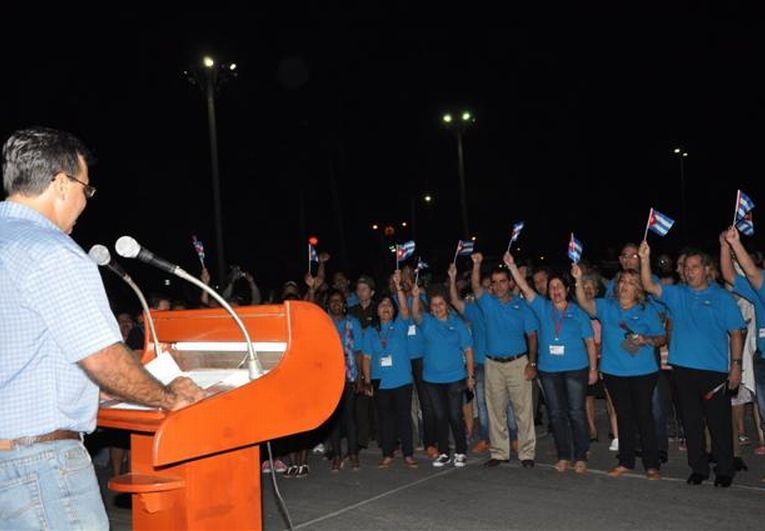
[459, 124]
[209, 78]
[682, 154]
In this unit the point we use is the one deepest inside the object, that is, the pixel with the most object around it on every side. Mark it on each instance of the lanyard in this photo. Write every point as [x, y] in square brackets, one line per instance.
[558, 323]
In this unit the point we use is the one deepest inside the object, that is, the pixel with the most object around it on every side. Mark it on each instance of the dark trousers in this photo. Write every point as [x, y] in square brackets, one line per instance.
[659, 402]
[394, 407]
[447, 407]
[693, 384]
[631, 396]
[426, 404]
[344, 420]
[565, 393]
[365, 420]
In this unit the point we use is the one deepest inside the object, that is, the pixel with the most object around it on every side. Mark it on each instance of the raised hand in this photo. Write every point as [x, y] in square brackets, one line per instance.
[477, 258]
[576, 272]
[644, 251]
[452, 272]
[508, 259]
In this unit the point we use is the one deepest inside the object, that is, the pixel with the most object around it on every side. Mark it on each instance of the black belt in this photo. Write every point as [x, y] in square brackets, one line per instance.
[10, 444]
[506, 359]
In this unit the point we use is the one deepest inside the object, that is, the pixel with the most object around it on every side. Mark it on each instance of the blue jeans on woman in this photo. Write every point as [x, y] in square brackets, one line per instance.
[565, 393]
[50, 485]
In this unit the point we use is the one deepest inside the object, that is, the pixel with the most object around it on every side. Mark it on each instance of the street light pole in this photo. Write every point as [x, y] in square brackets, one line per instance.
[681, 155]
[208, 78]
[459, 126]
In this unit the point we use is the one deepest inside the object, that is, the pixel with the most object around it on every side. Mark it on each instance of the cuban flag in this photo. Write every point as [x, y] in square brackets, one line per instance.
[405, 250]
[465, 247]
[312, 255]
[746, 225]
[421, 265]
[659, 223]
[517, 228]
[743, 205]
[199, 248]
[574, 249]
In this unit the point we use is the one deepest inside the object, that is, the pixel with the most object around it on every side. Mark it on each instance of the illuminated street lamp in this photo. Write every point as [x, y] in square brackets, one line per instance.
[426, 198]
[459, 124]
[209, 77]
[682, 154]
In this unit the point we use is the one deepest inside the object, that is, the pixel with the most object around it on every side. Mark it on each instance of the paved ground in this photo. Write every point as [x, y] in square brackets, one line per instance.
[509, 497]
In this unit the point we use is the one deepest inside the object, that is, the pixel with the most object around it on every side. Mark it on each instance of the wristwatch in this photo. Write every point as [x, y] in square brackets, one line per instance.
[533, 364]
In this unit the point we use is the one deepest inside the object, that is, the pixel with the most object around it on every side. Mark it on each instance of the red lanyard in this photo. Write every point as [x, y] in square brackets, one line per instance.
[558, 323]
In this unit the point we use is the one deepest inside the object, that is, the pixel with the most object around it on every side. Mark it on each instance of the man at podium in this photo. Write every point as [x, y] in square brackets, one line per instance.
[59, 341]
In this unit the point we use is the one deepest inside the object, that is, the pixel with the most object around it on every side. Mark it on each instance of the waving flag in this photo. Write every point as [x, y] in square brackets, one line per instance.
[659, 223]
[312, 255]
[743, 205]
[421, 265]
[405, 250]
[574, 249]
[465, 247]
[200, 249]
[746, 225]
[517, 228]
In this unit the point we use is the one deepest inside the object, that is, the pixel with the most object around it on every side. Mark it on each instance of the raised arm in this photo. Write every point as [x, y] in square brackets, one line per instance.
[475, 275]
[752, 272]
[403, 307]
[726, 260]
[454, 296]
[520, 280]
[311, 283]
[581, 299]
[416, 304]
[644, 251]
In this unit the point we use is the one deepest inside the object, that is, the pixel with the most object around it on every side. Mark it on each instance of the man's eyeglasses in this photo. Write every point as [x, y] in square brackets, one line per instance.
[626, 256]
[89, 190]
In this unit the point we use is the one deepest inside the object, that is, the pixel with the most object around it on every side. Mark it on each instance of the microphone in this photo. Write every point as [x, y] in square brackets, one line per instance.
[101, 256]
[127, 247]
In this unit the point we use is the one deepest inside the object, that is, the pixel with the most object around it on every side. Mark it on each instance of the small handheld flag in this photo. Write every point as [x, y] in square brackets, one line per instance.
[312, 256]
[574, 249]
[419, 267]
[743, 205]
[658, 223]
[200, 249]
[746, 225]
[464, 248]
[404, 251]
[517, 228]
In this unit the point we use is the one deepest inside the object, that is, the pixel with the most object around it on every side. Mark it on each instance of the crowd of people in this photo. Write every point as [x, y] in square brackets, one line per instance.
[430, 365]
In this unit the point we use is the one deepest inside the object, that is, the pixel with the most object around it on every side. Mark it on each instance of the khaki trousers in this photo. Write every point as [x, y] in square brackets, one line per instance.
[507, 381]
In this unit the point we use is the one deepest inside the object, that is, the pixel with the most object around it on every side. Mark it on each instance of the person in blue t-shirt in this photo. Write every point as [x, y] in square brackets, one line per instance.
[706, 323]
[631, 330]
[388, 374]
[447, 369]
[567, 363]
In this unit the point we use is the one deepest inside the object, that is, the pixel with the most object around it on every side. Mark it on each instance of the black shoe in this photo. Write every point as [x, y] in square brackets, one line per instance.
[527, 463]
[696, 479]
[739, 465]
[491, 463]
[723, 481]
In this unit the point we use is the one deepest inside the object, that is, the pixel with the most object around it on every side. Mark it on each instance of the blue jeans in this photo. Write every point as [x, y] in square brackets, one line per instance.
[483, 413]
[565, 393]
[50, 485]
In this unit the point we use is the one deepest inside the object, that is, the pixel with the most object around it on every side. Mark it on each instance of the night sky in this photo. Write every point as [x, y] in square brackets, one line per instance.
[340, 110]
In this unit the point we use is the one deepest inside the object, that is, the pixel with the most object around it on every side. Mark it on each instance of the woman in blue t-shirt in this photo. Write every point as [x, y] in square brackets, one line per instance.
[388, 374]
[631, 331]
[446, 369]
[567, 363]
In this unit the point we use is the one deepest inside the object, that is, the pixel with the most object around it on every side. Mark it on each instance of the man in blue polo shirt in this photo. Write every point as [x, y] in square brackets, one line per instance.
[706, 323]
[59, 341]
[510, 367]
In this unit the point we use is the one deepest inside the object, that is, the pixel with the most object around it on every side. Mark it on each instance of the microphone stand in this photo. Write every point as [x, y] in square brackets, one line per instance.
[146, 312]
[254, 367]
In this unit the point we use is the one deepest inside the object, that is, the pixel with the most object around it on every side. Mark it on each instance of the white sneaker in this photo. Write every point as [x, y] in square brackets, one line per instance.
[318, 449]
[614, 444]
[460, 460]
[441, 460]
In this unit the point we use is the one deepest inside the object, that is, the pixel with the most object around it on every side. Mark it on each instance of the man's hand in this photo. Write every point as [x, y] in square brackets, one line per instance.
[182, 392]
[530, 372]
[508, 259]
[477, 258]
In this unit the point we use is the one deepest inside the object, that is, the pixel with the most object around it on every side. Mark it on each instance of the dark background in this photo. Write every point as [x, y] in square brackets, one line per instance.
[576, 122]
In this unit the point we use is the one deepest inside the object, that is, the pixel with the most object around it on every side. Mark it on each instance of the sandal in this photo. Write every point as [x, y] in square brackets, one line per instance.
[410, 461]
[618, 471]
[562, 465]
[580, 467]
[385, 463]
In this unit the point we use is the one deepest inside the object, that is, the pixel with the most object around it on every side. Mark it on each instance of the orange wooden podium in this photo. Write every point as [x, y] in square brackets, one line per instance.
[199, 467]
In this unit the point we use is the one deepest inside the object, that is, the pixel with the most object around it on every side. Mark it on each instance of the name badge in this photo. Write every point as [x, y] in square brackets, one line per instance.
[557, 350]
[412, 330]
[762, 332]
[386, 361]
